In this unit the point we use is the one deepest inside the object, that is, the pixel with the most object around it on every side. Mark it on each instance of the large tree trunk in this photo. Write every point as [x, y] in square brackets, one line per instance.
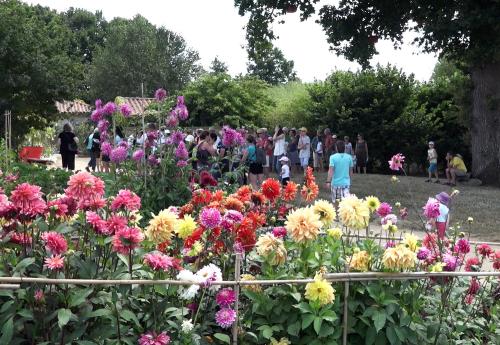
[485, 127]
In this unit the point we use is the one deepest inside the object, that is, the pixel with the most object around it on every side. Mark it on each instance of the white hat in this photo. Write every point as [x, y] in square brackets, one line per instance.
[431, 143]
[284, 159]
[167, 131]
[189, 138]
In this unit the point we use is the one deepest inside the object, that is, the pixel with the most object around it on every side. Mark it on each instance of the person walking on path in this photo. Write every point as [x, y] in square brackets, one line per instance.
[255, 169]
[317, 155]
[327, 146]
[456, 168]
[304, 147]
[432, 157]
[340, 173]
[361, 152]
[285, 171]
[442, 220]
[94, 150]
[293, 151]
[68, 147]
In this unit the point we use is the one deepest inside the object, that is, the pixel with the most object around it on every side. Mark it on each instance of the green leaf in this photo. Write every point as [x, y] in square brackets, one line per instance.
[307, 319]
[222, 337]
[370, 336]
[317, 324]
[23, 264]
[326, 330]
[129, 316]
[297, 296]
[392, 336]
[431, 330]
[304, 307]
[100, 313]
[7, 331]
[79, 296]
[63, 316]
[329, 315]
[294, 329]
[379, 319]
[27, 314]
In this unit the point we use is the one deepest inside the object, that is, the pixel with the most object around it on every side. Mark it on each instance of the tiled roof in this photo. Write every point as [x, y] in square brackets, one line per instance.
[138, 104]
[73, 107]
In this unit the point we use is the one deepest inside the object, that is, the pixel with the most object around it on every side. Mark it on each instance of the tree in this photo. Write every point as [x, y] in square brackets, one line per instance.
[269, 64]
[137, 52]
[465, 30]
[218, 66]
[215, 98]
[36, 68]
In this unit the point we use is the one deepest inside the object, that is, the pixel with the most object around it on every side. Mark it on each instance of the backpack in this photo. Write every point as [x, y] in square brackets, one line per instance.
[260, 156]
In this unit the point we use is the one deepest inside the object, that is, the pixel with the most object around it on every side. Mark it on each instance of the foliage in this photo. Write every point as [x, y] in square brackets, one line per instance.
[218, 66]
[269, 64]
[291, 106]
[41, 137]
[215, 96]
[137, 52]
[37, 68]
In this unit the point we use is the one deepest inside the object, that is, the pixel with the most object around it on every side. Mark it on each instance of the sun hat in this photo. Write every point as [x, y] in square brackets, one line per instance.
[303, 129]
[334, 136]
[189, 138]
[284, 159]
[443, 198]
[431, 143]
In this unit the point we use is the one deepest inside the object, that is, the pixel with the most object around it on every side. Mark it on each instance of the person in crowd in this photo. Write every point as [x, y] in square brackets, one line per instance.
[327, 146]
[213, 132]
[340, 173]
[105, 160]
[264, 144]
[348, 146]
[68, 147]
[94, 150]
[314, 145]
[432, 157]
[255, 169]
[334, 143]
[319, 152]
[204, 150]
[285, 171]
[189, 141]
[119, 136]
[456, 168]
[443, 219]
[304, 147]
[361, 152]
[279, 148]
[293, 151]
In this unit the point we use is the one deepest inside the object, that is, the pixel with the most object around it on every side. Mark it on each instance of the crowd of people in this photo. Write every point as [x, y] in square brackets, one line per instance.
[260, 153]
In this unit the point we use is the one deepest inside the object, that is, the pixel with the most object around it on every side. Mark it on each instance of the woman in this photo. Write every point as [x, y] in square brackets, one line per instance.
[205, 150]
[293, 151]
[68, 147]
[105, 165]
[279, 148]
[255, 170]
[119, 137]
[361, 152]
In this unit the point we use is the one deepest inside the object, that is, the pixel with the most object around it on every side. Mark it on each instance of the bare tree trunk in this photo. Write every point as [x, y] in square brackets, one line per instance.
[485, 127]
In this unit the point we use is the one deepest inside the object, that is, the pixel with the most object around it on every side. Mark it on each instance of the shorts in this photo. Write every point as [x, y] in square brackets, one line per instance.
[460, 173]
[339, 193]
[285, 180]
[304, 161]
[256, 169]
[441, 229]
[433, 167]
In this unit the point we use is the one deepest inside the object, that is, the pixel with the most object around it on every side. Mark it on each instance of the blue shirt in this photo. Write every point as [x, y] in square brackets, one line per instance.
[342, 162]
[252, 153]
[443, 213]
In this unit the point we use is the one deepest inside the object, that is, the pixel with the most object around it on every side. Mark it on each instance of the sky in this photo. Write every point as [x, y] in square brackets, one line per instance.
[214, 28]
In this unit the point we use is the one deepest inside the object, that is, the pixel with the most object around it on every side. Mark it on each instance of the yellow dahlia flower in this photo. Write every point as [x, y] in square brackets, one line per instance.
[411, 242]
[438, 267]
[372, 202]
[360, 261]
[335, 233]
[196, 249]
[325, 210]
[272, 248]
[161, 226]
[303, 224]
[320, 291]
[354, 213]
[398, 258]
[253, 288]
[185, 226]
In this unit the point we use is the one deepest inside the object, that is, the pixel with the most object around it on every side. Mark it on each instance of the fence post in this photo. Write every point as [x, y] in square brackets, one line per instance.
[237, 277]
[346, 308]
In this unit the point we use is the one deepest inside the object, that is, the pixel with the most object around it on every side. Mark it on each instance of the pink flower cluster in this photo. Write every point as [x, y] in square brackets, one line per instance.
[210, 217]
[118, 154]
[86, 189]
[396, 162]
[54, 242]
[27, 200]
[138, 155]
[151, 338]
[181, 151]
[127, 239]
[126, 200]
[225, 297]
[231, 137]
[431, 209]
[384, 209]
[161, 262]
[160, 94]
[126, 110]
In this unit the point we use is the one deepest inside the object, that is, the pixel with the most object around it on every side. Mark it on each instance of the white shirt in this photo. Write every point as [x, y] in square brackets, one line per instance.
[305, 143]
[279, 147]
[319, 148]
[285, 171]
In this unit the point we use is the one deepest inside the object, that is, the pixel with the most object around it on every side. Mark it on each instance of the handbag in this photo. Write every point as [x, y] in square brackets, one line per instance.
[72, 147]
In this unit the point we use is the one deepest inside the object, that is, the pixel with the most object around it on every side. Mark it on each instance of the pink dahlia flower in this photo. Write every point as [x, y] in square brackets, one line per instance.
[484, 249]
[84, 186]
[279, 232]
[127, 239]
[181, 164]
[109, 108]
[151, 338]
[210, 217]
[160, 94]
[384, 209]
[225, 317]
[55, 262]
[97, 115]
[127, 200]
[396, 162]
[118, 154]
[160, 262]
[225, 297]
[54, 242]
[172, 120]
[177, 137]
[181, 151]
[462, 246]
[231, 137]
[115, 223]
[126, 110]
[98, 224]
[431, 209]
[27, 199]
[138, 155]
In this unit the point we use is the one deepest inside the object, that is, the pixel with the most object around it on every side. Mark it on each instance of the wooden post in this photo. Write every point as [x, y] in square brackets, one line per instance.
[346, 309]
[237, 277]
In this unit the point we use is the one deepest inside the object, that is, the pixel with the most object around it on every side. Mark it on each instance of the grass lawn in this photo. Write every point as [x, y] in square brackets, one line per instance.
[481, 203]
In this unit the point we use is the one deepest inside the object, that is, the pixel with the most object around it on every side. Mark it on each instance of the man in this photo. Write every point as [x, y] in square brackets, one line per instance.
[456, 168]
[304, 147]
[340, 173]
[334, 144]
[328, 146]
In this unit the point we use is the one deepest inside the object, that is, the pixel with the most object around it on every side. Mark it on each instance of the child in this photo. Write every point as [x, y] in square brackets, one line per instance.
[285, 171]
[443, 219]
[432, 157]
[319, 152]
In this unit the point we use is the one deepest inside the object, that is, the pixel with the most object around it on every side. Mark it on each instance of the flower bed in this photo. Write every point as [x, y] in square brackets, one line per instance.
[282, 233]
